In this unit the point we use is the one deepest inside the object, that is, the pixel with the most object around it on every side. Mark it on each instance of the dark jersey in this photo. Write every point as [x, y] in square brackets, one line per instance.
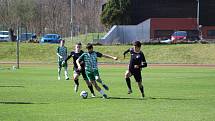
[136, 59]
[75, 57]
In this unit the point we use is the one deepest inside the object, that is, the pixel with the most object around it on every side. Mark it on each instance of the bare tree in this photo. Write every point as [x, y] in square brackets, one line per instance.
[51, 16]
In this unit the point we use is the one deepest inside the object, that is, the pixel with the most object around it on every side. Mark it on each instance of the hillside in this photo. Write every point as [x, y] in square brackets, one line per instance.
[183, 53]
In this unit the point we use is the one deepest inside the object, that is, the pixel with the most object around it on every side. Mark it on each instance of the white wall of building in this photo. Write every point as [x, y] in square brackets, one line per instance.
[125, 34]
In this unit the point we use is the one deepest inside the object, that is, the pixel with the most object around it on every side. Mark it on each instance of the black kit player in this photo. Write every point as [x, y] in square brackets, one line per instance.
[137, 62]
[76, 54]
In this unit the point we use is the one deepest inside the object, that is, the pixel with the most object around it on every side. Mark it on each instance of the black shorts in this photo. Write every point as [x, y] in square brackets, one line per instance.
[137, 74]
[81, 72]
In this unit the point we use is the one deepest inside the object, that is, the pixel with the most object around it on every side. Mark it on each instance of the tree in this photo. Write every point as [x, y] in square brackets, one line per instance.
[116, 12]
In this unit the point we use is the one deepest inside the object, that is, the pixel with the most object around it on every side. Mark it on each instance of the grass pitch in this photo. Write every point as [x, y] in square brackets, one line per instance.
[176, 54]
[33, 93]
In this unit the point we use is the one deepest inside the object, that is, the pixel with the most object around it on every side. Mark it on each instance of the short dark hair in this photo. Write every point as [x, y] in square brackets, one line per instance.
[89, 46]
[137, 44]
[78, 43]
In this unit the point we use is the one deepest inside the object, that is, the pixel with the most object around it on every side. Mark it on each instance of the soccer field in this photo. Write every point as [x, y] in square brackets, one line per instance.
[33, 93]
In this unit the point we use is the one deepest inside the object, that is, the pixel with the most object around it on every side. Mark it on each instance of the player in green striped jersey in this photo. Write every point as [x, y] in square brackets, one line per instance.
[91, 66]
[62, 55]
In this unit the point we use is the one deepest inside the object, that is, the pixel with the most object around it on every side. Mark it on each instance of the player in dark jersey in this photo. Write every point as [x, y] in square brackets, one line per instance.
[137, 62]
[75, 55]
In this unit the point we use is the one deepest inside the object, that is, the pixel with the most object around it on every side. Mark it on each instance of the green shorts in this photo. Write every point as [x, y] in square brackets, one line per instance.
[92, 75]
[60, 64]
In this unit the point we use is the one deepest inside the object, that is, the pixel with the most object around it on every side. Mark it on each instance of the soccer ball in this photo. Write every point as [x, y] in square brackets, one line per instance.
[84, 94]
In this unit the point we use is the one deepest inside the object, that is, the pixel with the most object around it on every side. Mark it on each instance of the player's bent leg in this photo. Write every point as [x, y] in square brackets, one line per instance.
[98, 89]
[66, 73]
[90, 86]
[138, 78]
[98, 79]
[59, 72]
[140, 85]
[128, 81]
[76, 85]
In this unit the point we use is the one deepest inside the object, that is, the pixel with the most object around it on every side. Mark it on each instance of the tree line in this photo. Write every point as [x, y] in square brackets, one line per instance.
[60, 16]
[51, 16]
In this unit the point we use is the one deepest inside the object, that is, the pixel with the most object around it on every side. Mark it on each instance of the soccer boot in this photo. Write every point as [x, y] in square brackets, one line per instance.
[143, 95]
[93, 95]
[129, 91]
[67, 78]
[105, 87]
[105, 96]
[58, 78]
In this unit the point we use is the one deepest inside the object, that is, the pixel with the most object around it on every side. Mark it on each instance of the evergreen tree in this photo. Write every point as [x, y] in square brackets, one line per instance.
[116, 12]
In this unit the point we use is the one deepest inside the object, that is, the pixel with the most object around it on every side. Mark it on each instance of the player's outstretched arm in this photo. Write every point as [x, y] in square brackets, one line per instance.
[68, 57]
[109, 56]
[126, 52]
[78, 63]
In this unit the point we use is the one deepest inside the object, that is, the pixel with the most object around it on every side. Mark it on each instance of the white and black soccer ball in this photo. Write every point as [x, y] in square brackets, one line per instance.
[84, 94]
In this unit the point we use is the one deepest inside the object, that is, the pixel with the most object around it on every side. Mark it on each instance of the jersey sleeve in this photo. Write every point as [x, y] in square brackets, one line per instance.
[127, 51]
[144, 63]
[99, 54]
[71, 55]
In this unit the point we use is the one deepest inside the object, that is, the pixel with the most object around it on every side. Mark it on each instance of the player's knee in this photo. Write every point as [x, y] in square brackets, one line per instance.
[75, 77]
[97, 78]
[126, 74]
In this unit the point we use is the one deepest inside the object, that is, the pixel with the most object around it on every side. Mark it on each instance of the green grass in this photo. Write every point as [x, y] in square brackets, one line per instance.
[181, 53]
[33, 93]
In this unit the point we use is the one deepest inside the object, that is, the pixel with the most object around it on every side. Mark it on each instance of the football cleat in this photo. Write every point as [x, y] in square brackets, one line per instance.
[129, 91]
[67, 78]
[58, 78]
[93, 95]
[143, 95]
[105, 96]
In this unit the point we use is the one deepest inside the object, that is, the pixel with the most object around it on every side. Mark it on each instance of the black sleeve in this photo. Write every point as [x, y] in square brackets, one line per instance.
[144, 63]
[126, 52]
[99, 54]
[71, 54]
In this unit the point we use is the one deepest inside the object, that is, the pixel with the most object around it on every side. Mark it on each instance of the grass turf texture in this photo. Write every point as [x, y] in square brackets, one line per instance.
[181, 53]
[33, 93]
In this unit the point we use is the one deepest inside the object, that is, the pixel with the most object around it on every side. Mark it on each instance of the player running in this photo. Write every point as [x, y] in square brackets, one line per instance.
[91, 66]
[137, 62]
[62, 55]
[76, 54]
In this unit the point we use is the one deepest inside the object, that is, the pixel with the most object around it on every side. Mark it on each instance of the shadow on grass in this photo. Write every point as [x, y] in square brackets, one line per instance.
[162, 98]
[148, 98]
[12, 86]
[21, 103]
[116, 98]
[125, 98]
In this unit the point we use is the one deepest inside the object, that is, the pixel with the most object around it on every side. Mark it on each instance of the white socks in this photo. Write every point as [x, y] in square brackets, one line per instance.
[101, 92]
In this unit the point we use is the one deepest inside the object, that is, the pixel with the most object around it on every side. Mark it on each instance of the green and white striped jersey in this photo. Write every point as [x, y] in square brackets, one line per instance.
[62, 51]
[90, 60]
